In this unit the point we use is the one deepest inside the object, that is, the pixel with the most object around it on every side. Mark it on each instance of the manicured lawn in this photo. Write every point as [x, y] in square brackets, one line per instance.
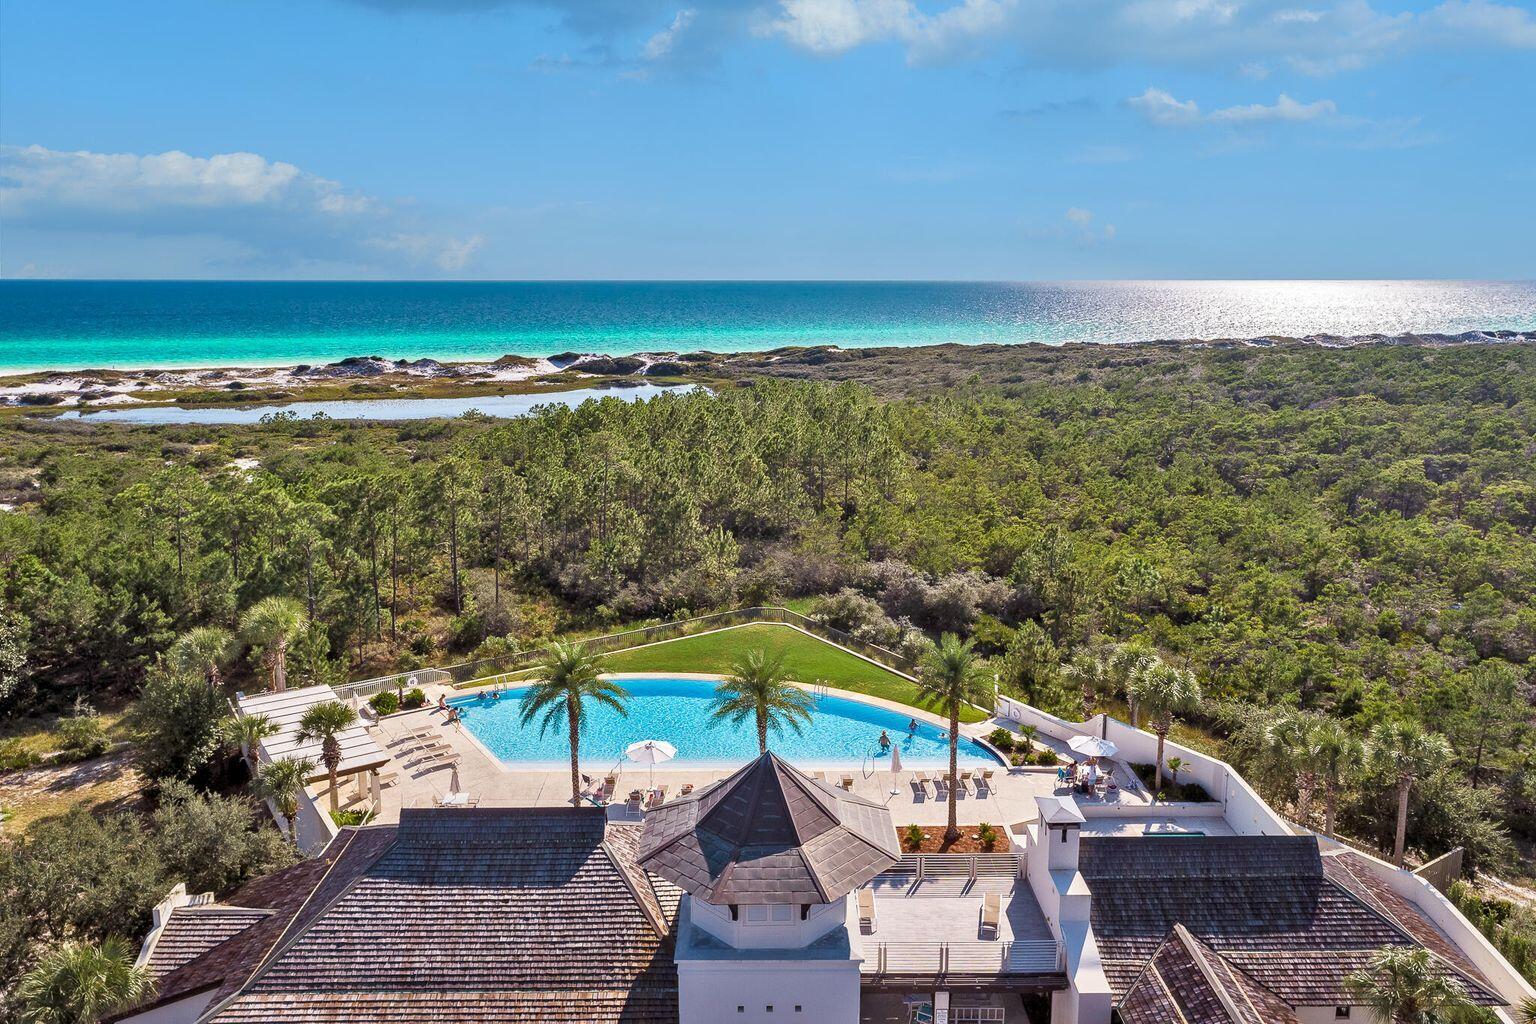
[806, 659]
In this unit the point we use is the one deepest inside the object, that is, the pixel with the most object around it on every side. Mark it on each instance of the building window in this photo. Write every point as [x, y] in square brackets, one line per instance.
[769, 1008]
[1341, 1013]
[741, 1009]
[797, 1007]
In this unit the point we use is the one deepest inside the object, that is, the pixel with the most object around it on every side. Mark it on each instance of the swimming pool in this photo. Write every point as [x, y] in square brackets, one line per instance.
[842, 734]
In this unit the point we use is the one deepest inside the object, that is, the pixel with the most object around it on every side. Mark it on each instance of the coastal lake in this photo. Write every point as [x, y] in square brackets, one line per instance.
[503, 406]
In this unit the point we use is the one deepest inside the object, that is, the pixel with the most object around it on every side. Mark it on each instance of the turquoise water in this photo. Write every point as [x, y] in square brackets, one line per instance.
[375, 408]
[131, 324]
[843, 734]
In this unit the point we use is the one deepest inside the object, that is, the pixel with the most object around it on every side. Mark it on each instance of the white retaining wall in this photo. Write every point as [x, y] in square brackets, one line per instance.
[1243, 809]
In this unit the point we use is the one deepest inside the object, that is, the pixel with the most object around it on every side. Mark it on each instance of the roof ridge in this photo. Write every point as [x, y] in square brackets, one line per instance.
[1197, 954]
[656, 922]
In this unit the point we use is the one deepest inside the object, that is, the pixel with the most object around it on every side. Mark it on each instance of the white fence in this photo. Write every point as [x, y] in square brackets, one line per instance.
[1020, 956]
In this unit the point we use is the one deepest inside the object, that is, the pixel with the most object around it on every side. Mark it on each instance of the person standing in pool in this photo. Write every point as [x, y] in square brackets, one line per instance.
[885, 741]
[912, 727]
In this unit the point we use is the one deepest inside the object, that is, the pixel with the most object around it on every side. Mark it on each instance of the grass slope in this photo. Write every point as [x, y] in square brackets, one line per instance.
[806, 659]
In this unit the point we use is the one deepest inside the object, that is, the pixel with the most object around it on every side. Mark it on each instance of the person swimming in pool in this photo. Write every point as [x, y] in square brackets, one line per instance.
[912, 727]
[885, 741]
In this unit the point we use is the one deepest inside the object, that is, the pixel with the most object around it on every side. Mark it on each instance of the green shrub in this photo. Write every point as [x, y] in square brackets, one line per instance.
[385, 702]
[413, 699]
[14, 756]
[353, 816]
[1045, 757]
[912, 836]
[82, 734]
[987, 835]
[1002, 739]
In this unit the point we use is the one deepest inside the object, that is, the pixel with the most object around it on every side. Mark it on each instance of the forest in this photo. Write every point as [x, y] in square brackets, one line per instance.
[1340, 534]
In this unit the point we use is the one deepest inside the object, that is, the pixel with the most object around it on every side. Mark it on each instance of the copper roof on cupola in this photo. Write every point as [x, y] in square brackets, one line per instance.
[769, 834]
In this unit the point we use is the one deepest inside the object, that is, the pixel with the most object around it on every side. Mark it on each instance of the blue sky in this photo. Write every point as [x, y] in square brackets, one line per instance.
[988, 139]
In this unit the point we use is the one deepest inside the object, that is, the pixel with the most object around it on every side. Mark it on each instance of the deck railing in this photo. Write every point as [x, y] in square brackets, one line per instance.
[489, 668]
[959, 865]
[1019, 956]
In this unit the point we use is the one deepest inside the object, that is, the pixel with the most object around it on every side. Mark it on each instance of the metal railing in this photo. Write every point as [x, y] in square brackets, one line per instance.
[489, 668]
[1018, 956]
[959, 865]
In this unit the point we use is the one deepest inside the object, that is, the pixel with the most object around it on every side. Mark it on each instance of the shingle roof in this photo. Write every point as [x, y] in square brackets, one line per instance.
[769, 834]
[192, 931]
[476, 914]
[230, 962]
[1188, 981]
[1264, 903]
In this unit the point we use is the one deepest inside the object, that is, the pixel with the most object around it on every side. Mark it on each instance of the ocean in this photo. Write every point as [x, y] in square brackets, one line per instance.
[139, 324]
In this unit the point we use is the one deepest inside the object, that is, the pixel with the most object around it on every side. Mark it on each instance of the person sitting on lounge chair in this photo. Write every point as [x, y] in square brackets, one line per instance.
[442, 703]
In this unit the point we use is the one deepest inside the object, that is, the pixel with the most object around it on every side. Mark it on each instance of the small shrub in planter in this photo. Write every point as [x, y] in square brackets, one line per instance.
[385, 702]
[344, 818]
[1018, 759]
[413, 699]
[1002, 739]
[987, 835]
[1045, 757]
[912, 837]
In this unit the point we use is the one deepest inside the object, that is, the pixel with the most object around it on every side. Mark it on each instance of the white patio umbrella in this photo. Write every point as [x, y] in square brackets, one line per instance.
[650, 752]
[1092, 746]
[453, 780]
[895, 767]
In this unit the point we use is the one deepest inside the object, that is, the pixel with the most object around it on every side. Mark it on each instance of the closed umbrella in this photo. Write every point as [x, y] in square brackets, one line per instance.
[650, 752]
[453, 780]
[895, 766]
[1092, 746]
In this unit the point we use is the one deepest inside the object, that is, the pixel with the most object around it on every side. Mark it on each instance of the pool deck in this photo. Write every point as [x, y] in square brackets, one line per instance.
[1010, 800]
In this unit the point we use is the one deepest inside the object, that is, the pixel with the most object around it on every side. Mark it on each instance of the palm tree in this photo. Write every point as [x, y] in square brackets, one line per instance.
[282, 781]
[569, 677]
[270, 625]
[758, 688]
[1126, 662]
[1175, 765]
[245, 731]
[1405, 752]
[1292, 743]
[1339, 754]
[1093, 676]
[948, 678]
[326, 722]
[206, 650]
[80, 983]
[1403, 985]
[1528, 1011]
[1163, 691]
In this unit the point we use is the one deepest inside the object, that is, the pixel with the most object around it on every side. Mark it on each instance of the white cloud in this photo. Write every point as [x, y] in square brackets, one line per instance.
[661, 44]
[1078, 215]
[828, 27]
[1161, 108]
[1252, 36]
[268, 212]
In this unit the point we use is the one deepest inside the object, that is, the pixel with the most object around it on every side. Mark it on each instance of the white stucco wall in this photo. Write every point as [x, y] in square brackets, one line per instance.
[182, 1011]
[826, 992]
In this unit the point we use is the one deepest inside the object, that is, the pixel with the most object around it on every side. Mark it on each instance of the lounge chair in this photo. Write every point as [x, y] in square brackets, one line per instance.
[991, 914]
[847, 782]
[921, 778]
[657, 798]
[635, 802]
[437, 761]
[819, 776]
[960, 784]
[986, 776]
[867, 910]
[432, 750]
[940, 788]
[388, 779]
[686, 790]
[919, 791]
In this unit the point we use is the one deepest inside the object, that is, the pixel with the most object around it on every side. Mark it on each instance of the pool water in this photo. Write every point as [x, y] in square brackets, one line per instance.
[841, 734]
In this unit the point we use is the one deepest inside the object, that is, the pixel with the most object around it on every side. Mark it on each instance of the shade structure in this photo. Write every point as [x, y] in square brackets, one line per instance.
[650, 752]
[1092, 746]
[359, 751]
[768, 835]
